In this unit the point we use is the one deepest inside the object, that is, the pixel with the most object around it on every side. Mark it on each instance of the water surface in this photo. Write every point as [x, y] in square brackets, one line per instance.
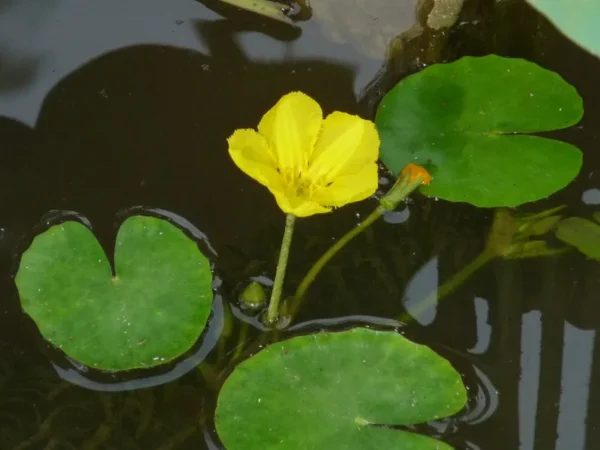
[107, 106]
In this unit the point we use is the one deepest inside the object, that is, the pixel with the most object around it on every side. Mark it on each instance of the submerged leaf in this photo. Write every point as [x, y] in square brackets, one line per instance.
[466, 122]
[539, 227]
[531, 249]
[150, 312]
[337, 390]
[582, 234]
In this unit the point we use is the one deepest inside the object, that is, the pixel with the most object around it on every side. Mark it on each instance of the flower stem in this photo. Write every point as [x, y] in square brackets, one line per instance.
[284, 253]
[401, 189]
[340, 244]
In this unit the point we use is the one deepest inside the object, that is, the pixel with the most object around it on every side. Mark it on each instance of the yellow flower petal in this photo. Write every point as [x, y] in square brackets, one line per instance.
[251, 153]
[297, 206]
[291, 128]
[349, 188]
[309, 164]
[345, 145]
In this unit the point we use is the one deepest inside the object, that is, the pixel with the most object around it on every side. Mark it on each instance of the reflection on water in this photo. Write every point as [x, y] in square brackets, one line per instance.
[62, 35]
[419, 287]
[531, 340]
[578, 356]
[591, 196]
[19, 63]
[127, 104]
[367, 24]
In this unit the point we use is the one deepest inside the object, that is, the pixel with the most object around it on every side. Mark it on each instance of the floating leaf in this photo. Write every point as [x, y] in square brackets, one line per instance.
[582, 234]
[460, 120]
[150, 312]
[578, 19]
[337, 390]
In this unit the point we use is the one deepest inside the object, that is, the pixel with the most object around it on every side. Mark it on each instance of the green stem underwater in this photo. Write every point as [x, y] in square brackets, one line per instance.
[401, 189]
[284, 253]
[508, 239]
[341, 243]
[449, 286]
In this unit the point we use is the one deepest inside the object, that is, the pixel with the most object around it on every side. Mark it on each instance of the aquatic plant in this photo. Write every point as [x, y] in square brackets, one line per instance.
[471, 123]
[356, 389]
[309, 164]
[148, 312]
[583, 234]
[461, 122]
[462, 131]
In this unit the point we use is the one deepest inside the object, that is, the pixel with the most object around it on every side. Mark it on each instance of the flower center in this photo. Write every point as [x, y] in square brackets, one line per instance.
[296, 184]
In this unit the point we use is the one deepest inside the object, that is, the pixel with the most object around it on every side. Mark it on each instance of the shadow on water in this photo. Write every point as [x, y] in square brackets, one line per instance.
[16, 73]
[129, 128]
[18, 68]
[146, 126]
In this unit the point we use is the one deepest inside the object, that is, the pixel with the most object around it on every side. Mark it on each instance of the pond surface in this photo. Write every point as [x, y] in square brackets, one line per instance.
[108, 107]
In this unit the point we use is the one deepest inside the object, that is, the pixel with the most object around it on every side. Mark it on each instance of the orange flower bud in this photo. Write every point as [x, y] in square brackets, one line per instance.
[414, 171]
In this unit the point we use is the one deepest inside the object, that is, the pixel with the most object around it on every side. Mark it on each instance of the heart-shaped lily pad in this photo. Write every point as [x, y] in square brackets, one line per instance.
[150, 312]
[582, 234]
[578, 19]
[342, 390]
[464, 121]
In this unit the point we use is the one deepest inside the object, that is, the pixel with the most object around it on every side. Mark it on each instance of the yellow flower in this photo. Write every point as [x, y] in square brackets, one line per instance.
[309, 164]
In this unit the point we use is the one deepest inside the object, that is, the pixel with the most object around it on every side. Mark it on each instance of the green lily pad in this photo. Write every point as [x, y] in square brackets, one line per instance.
[150, 312]
[577, 19]
[582, 234]
[464, 121]
[337, 390]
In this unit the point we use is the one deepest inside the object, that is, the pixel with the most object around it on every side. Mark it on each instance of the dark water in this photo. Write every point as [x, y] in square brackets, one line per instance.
[109, 106]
